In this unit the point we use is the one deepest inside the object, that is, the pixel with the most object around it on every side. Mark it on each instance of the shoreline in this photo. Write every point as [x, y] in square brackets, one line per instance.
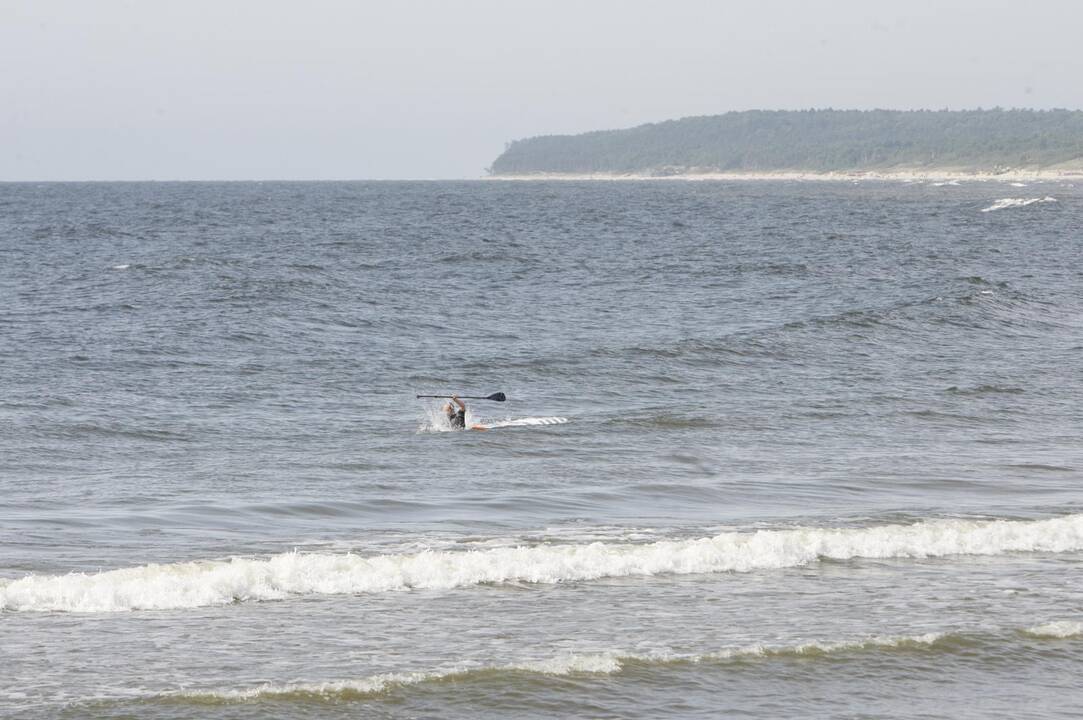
[906, 176]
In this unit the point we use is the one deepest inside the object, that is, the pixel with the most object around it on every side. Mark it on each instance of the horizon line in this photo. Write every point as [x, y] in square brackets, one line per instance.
[244, 180]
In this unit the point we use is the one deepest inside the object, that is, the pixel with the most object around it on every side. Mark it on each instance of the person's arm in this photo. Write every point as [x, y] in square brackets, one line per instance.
[455, 399]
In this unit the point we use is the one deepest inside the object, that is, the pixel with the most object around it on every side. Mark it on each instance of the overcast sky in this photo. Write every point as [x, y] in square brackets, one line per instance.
[356, 89]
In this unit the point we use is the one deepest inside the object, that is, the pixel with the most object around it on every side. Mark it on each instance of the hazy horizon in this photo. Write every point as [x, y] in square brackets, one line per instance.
[418, 90]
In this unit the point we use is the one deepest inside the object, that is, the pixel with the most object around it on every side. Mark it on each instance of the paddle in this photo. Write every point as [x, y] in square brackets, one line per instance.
[498, 397]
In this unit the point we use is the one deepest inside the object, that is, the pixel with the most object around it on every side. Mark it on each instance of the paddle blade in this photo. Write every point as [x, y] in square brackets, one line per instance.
[499, 397]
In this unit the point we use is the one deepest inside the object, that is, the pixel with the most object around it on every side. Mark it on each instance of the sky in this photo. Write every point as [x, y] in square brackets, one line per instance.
[412, 89]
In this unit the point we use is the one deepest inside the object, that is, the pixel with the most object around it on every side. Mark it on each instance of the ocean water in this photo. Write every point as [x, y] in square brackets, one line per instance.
[770, 449]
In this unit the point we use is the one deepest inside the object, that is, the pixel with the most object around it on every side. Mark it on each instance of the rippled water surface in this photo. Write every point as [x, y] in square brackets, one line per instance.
[769, 449]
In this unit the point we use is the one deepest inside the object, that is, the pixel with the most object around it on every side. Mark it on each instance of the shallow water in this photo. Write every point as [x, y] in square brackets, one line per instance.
[820, 454]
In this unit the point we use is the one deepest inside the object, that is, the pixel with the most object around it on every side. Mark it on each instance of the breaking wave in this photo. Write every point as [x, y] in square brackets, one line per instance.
[1018, 202]
[600, 663]
[1059, 629]
[604, 663]
[608, 662]
[238, 579]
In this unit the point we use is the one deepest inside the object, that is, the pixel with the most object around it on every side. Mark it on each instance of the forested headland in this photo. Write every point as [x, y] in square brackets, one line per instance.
[812, 141]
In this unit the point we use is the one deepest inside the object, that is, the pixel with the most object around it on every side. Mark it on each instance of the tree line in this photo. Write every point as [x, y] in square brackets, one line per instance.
[811, 140]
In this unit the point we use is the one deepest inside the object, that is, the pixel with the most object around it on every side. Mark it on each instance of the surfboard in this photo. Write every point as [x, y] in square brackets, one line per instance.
[521, 422]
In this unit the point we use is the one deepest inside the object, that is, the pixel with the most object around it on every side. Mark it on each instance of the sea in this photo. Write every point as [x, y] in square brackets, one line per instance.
[769, 449]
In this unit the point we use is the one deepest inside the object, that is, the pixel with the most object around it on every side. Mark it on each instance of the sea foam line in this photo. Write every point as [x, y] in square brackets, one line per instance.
[594, 663]
[217, 582]
[1058, 629]
[1018, 202]
[597, 663]
[600, 663]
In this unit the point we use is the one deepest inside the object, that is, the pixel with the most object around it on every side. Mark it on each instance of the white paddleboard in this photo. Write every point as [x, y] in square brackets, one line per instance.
[522, 422]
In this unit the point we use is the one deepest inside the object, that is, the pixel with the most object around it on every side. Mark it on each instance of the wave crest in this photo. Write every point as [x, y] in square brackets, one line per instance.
[218, 582]
[1058, 629]
[1018, 202]
[603, 663]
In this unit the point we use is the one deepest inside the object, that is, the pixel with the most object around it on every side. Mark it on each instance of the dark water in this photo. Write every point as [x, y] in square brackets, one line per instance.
[821, 454]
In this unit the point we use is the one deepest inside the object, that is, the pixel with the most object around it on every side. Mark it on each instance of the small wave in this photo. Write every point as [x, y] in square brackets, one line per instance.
[609, 662]
[731, 349]
[828, 648]
[986, 390]
[1039, 466]
[481, 257]
[1018, 202]
[567, 664]
[113, 430]
[330, 690]
[666, 421]
[1059, 629]
[600, 663]
[220, 582]
[605, 663]
[979, 280]
[772, 268]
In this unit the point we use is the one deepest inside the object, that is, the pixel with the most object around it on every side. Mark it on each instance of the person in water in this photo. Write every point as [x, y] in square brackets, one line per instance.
[457, 418]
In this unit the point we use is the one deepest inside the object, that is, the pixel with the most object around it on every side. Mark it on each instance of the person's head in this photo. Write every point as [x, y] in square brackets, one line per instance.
[448, 409]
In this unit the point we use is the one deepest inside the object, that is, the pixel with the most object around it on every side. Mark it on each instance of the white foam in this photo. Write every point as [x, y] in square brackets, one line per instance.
[363, 686]
[567, 664]
[121, 267]
[601, 663]
[876, 641]
[436, 420]
[604, 663]
[822, 647]
[1059, 629]
[1018, 202]
[204, 583]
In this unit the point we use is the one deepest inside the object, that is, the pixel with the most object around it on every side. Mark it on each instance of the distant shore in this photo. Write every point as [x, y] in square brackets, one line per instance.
[910, 176]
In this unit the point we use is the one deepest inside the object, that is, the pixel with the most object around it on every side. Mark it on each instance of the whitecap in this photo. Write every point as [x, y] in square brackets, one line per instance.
[1018, 202]
[603, 663]
[220, 582]
[362, 686]
[1058, 629]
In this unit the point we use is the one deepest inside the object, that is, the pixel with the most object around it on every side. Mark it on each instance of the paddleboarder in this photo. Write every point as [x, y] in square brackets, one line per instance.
[457, 418]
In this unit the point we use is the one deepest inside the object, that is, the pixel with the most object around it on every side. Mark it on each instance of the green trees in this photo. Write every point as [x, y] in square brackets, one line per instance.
[811, 140]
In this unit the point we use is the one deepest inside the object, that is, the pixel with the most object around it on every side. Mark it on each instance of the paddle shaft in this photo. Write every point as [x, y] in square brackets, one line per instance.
[498, 397]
